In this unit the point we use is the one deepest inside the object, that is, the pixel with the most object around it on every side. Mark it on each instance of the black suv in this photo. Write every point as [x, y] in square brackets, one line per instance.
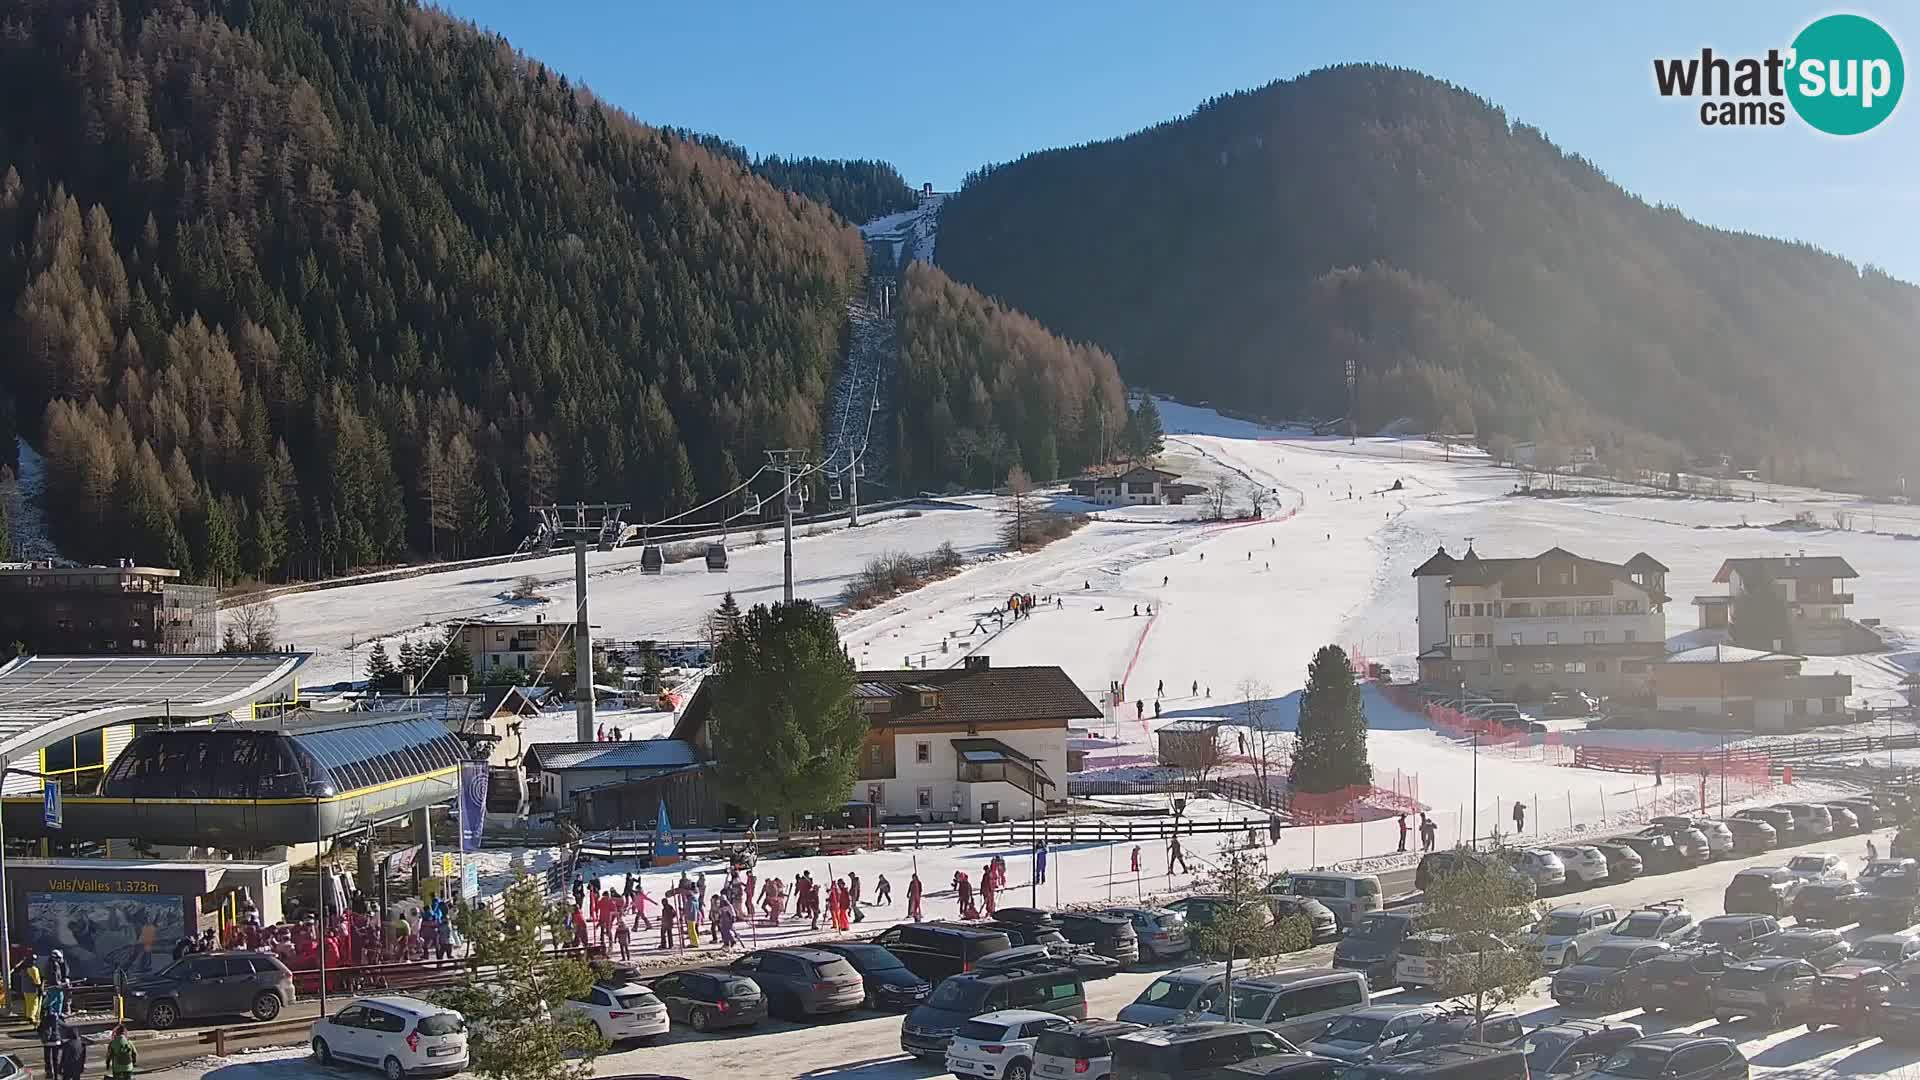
[1785, 832]
[1829, 903]
[1821, 948]
[1603, 977]
[1678, 982]
[1109, 935]
[935, 951]
[1658, 852]
[1776, 989]
[1892, 900]
[1677, 1056]
[1573, 1046]
[1740, 935]
[215, 984]
[1442, 862]
[1197, 1051]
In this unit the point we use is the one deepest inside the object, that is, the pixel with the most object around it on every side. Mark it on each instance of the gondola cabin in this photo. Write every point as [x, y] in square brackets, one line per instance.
[652, 560]
[716, 558]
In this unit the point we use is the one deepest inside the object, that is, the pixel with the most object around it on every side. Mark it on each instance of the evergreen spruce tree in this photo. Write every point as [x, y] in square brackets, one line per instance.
[1761, 619]
[786, 731]
[1046, 465]
[496, 511]
[1145, 436]
[6, 533]
[724, 620]
[380, 670]
[1330, 741]
[516, 991]
[454, 659]
[650, 667]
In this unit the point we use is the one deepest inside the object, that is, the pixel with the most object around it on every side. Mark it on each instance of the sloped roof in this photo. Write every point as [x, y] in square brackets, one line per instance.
[639, 754]
[1041, 694]
[1643, 562]
[1788, 568]
[1726, 654]
[1474, 570]
[1438, 564]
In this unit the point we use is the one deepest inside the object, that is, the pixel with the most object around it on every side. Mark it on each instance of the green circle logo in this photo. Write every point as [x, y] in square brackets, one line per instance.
[1846, 76]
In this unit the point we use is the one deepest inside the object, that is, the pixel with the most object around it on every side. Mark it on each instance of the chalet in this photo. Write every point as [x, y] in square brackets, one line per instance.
[529, 646]
[561, 772]
[1728, 686]
[1137, 485]
[972, 743]
[1812, 588]
[1552, 621]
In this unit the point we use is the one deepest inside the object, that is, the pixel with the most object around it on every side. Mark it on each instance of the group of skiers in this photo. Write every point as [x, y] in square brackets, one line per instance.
[43, 994]
[601, 917]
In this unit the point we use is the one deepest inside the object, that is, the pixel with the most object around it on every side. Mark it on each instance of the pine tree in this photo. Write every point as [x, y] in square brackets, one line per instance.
[1145, 437]
[650, 667]
[1330, 742]
[411, 662]
[381, 674]
[6, 533]
[454, 659]
[724, 620]
[217, 540]
[1046, 464]
[786, 731]
[495, 521]
[516, 992]
[1761, 619]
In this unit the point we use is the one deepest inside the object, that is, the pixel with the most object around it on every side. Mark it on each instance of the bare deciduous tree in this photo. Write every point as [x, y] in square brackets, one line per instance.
[526, 587]
[1258, 496]
[251, 628]
[1218, 495]
[1266, 750]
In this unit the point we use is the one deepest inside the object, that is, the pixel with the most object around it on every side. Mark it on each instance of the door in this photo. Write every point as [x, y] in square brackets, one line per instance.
[345, 1033]
[1799, 989]
[669, 992]
[236, 985]
[385, 1033]
[204, 993]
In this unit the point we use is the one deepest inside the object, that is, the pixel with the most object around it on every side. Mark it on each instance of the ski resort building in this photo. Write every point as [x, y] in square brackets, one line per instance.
[529, 646]
[1552, 621]
[1139, 485]
[972, 743]
[119, 609]
[1813, 589]
[1725, 685]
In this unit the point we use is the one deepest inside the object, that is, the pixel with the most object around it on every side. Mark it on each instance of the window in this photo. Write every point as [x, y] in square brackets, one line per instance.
[1519, 611]
[1598, 667]
[1543, 667]
[1574, 667]
[877, 794]
[1633, 667]
[381, 1020]
[1630, 635]
[1513, 639]
[352, 1016]
[1800, 707]
[1556, 607]
[1553, 638]
[1506, 669]
[1479, 610]
[1463, 641]
[1626, 607]
[498, 635]
[873, 758]
[922, 752]
[1593, 637]
[1482, 640]
[924, 798]
[1590, 607]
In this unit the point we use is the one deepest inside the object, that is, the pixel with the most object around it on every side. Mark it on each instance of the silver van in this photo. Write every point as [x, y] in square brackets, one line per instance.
[1348, 896]
[1298, 1006]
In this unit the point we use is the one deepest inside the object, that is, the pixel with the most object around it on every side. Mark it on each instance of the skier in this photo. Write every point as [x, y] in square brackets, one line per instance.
[1272, 542]
[1163, 579]
[1160, 689]
[1136, 611]
[853, 896]
[1519, 816]
[1195, 690]
[964, 889]
[1403, 832]
[914, 892]
[666, 921]
[1175, 855]
[1156, 708]
[1149, 611]
[1140, 710]
[987, 888]
[883, 891]
[1136, 859]
[1040, 863]
[1249, 556]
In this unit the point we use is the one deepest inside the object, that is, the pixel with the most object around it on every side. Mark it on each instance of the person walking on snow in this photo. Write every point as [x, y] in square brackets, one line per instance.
[1403, 832]
[1195, 692]
[987, 889]
[964, 889]
[666, 921]
[1175, 855]
[1139, 710]
[882, 891]
[1040, 863]
[853, 896]
[1519, 816]
[915, 891]
[1156, 708]
[1136, 859]
[122, 1055]
[1872, 852]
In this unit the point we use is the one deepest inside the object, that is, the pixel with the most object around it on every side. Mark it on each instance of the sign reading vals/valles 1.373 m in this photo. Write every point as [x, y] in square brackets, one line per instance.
[1842, 75]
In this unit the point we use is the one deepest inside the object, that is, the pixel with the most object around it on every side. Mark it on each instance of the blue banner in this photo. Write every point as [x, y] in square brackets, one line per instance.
[473, 804]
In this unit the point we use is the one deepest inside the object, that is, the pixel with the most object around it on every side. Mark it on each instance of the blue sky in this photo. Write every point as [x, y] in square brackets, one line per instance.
[939, 89]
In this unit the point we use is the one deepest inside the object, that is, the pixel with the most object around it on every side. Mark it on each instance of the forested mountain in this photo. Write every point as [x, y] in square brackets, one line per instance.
[288, 287]
[857, 190]
[982, 388]
[1479, 277]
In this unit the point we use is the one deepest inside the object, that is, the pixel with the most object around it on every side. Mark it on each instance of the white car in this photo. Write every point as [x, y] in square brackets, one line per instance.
[999, 1045]
[1585, 865]
[1571, 931]
[400, 1036]
[1821, 866]
[621, 1012]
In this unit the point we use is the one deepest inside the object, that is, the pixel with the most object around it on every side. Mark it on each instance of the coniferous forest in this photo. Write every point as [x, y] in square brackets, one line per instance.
[292, 287]
[1480, 278]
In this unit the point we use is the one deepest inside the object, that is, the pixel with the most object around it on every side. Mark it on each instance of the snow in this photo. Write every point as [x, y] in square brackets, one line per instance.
[914, 232]
[26, 507]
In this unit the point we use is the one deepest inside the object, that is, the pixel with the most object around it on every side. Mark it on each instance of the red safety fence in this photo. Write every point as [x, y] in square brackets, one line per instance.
[1392, 793]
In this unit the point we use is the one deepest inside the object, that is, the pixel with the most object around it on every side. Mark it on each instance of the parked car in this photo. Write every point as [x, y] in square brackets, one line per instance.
[926, 1031]
[1658, 852]
[1572, 929]
[1435, 863]
[1680, 982]
[1573, 1046]
[706, 999]
[1081, 1049]
[1819, 866]
[801, 982]
[1111, 936]
[1570, 704]
[1896, 1019]
[1864, 810]
[1812, 821]
[1762, 890]
[935, 951]
[255, 984]
[1829, 903]
[1458, 1027]
[1089, 966]
[1454, 1061]
[1719, 836]
[1668, 921]
[1324, 927]
[1845, 821]
[1906, 843]
[1192, 1051]
[1372, 946]
[1624, 863]
[1740, 935]
[888, 982]
[1892, 894]
[1000, 1044]
[400, 1036]
[1821, 948]
[1282, 1067]
[1161, 933]
[1586, 865]
[1771, 989]
[1751, 836]
[1887, 950]
[1369, 1033]
[1200, 912]
[1786, 833]
[1423, 957]
[1348, 896]
[622, 1011]
[1602, 977]
[1845, 992]
[1026, 933]
[1691, 842]
[1540, 865]
[1677, 1056]
[1298, 1006]
[1180, 993]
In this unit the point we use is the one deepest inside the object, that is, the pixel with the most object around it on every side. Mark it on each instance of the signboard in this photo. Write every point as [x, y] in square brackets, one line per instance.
[473, 804]
[470, 881]
[51, 812]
